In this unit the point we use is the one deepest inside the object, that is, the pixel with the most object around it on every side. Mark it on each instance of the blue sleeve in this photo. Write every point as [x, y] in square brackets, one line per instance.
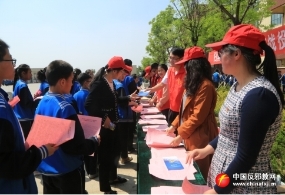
[258, 111]
[214, 142]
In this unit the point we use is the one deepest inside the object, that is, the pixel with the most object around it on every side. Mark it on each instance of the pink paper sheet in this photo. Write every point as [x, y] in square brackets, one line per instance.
[158, 169]
[51, 130]
[152, 121]
[137, 109]
[189, 188]
[145, 105]
[155, 116]
[14, 101]
[158, 139]
[151, 110]
[166, 190]
[91, 125]
[154, 127]
[162, 152]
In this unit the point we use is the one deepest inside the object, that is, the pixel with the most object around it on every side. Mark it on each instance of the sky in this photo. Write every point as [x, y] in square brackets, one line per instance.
[85, 33]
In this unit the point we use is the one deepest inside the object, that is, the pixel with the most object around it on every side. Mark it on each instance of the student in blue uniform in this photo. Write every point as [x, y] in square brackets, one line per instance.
[125, 117]
[62, 172]
[84, 79]
[131, 85]
[16, 164]
[70, 99]
[75, 84]
[44, 86]
[25, 109]
[90, 161]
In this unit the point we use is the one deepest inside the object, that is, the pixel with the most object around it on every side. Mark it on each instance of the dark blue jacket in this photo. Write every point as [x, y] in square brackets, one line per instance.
[125, 112]
[25, 185]
[44, 87]
[22, 113]
[80, 98]
[75, 87]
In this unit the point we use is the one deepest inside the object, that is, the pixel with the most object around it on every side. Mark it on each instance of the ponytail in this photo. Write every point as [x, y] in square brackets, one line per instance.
[99, 74]
[18, 73]
[270, 68]
[41, 75]
[16, 78]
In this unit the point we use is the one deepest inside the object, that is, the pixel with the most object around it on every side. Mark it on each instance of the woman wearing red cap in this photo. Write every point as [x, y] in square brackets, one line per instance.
[250, 117]
[196, 123]
[102, 102]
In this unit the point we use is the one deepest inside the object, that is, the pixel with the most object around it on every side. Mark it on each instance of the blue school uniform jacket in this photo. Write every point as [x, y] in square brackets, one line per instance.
[44, 87]
[26, 185]
[75, 87]
[21, 112]
[80, 98]
[55, 105]
[125, 112]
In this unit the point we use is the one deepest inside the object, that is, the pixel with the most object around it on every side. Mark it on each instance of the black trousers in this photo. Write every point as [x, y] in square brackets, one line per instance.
[108, 157]
[124, 129]
[91, 163]
[132, 131]
[26, 127]
[165, 113]
[69, 183]
[171, 116]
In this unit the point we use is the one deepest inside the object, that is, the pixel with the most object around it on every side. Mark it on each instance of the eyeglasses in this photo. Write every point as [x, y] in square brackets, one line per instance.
[12, 60]
[173, 58]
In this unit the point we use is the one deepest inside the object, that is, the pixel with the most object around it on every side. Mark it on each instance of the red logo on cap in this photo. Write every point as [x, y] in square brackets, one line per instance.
[222, 180]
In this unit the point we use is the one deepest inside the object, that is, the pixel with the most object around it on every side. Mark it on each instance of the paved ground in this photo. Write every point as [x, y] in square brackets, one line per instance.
[127, 171]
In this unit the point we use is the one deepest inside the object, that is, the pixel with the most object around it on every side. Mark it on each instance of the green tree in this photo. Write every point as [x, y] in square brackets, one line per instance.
[244, 11]
[167, 31]
[146, 61]
[191, 13]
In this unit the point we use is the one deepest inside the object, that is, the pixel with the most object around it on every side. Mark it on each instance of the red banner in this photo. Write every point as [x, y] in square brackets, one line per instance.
[275, 38]
[214, 58]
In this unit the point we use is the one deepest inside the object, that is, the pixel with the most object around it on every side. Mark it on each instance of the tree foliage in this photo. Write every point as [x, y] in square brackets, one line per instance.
[244, 11]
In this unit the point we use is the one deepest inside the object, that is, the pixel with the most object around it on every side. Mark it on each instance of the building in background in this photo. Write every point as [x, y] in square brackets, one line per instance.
[276, 37]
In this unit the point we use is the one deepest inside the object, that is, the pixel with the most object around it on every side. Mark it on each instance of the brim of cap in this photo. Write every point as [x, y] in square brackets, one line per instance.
[146, 74]
[216, 46]
[128, 68]
[181, 62]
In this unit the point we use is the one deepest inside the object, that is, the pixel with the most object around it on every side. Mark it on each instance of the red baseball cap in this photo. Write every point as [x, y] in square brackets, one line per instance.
[118, 62]
[245, 35]
[147, 71]
[192, 53]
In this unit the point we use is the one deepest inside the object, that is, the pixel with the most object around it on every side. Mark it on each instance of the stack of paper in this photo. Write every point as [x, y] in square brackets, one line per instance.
[159, 139]
[187, 188]
[155, 127]
[155, 116]
[152, 122]
[150, 110]
[171, 168]
[146, 105]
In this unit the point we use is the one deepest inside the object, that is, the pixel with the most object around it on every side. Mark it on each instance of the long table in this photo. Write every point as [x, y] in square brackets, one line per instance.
[146, 180]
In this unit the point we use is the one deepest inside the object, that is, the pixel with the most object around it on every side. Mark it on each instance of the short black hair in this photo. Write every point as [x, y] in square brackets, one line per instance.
[128, 62]
[135, 76]
[56, 70]
[177, 52]
[83, 77]
[3, 48]
[154, 66]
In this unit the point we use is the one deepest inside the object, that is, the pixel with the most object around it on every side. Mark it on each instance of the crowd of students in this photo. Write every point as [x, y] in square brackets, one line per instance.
[184, 92]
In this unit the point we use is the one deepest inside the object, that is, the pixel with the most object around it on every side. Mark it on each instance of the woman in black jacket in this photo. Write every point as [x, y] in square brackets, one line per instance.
[102, 102]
